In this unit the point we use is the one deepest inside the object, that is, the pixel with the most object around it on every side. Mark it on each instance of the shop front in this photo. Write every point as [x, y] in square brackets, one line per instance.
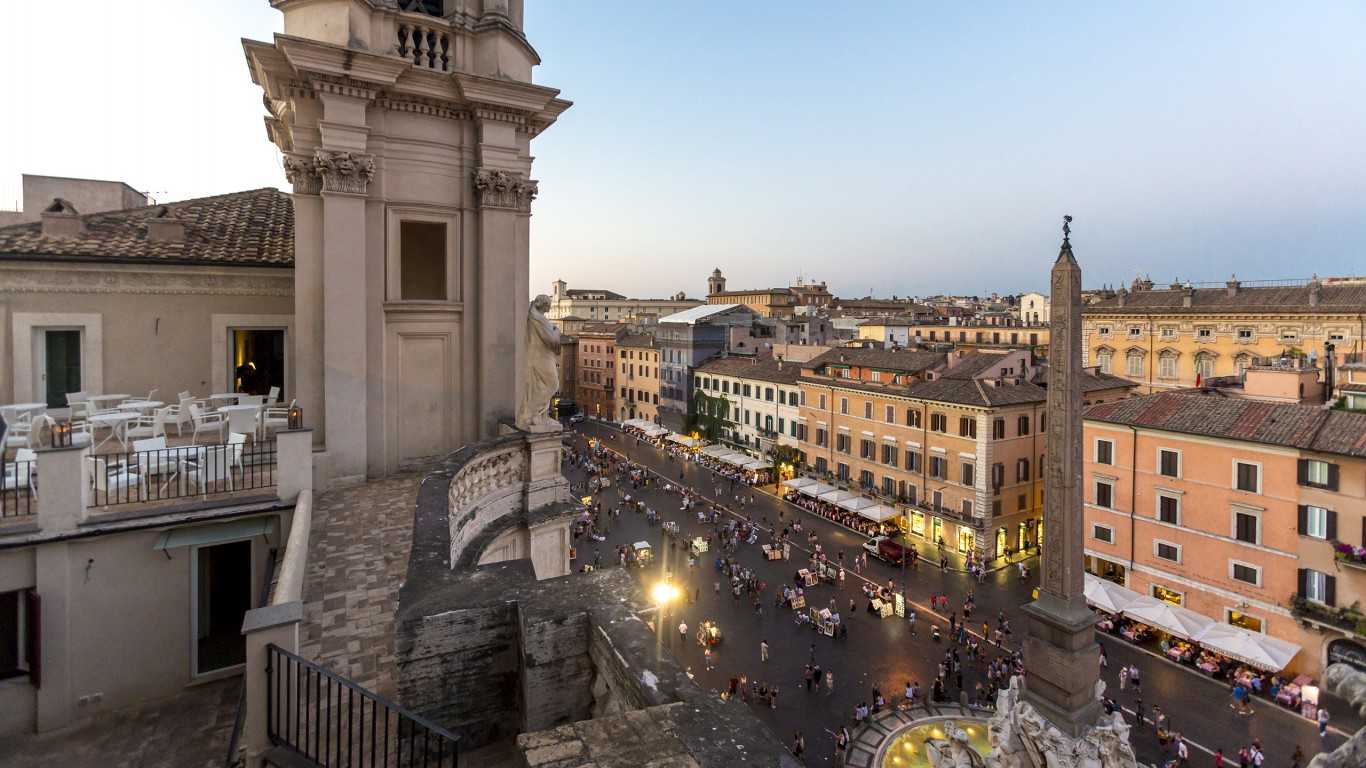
[1107, 569]
[1001, 543]
[967, 540]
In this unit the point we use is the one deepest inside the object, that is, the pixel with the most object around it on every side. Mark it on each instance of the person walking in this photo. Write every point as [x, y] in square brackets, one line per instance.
[829, 682]
[1297, 759]
[910, 620]
[1123, 677]
[706, 654]
[1182, 751]
[682, 632]
[798, 746]
[808, 676]
[1323, 722]
[1133, 678]
[763, 650]
[813, 653]
[1104, 657]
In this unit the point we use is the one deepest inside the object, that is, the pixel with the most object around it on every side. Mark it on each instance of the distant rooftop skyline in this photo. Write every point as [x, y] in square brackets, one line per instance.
[901, 150]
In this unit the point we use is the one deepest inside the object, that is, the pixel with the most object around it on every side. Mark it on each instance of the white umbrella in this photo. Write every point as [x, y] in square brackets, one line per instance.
[857, 504]
[1107, 595]
[715, 450]
[878, 513]
[1170, 618]
[1252, 647]
[835, 496]
[817, 489]
[757, 464]
[800, 482]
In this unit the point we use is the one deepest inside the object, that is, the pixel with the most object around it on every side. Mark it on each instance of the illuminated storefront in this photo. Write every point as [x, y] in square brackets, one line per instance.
[1166, 595]
[918, 524]
[967, 540]
[1001, 542]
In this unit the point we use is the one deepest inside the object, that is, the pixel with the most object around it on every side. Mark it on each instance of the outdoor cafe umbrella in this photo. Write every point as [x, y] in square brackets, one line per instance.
[1169, 618]
[1251, 647]
[816, 490]
[1107, 595]
[835, 496]
[857, 504]
[878, 512]
[797, 483]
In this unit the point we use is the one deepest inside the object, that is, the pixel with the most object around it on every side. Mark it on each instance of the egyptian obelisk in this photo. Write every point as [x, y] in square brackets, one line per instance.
[1060, 649]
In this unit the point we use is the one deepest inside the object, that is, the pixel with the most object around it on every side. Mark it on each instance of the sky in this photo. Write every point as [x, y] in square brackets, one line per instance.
[900, 148]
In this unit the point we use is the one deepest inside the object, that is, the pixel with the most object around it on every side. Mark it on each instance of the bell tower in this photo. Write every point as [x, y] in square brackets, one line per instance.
[406, 131]
[716, 283]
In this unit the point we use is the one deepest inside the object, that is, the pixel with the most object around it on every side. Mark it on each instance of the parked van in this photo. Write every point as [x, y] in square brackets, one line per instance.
[886, 550]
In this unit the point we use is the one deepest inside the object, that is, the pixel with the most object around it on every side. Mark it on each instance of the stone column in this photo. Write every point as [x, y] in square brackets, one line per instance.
[302, 173]
[1061, 648]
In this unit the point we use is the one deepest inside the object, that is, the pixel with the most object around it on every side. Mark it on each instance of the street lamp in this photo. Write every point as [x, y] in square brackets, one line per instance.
[665, 593]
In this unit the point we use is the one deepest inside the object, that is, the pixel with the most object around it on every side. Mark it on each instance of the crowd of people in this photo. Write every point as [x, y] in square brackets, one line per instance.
[844, 517]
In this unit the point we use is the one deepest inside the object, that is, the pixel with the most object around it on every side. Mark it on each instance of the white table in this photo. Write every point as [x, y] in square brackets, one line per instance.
[13, 411]
[101, 400]
[242, 418]
[226, 396]
[169, 463]
[142, 407]
[117, 424]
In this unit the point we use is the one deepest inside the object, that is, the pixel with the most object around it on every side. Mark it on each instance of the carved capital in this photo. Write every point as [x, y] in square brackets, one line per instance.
[302, 173]
[501, 189]
[346, 172]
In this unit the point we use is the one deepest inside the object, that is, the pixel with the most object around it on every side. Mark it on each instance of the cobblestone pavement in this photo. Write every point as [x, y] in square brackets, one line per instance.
[357, 558]
[190, 729]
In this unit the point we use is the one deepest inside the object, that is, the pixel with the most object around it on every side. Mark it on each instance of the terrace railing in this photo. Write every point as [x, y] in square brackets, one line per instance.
[184, 472]
[18, 481]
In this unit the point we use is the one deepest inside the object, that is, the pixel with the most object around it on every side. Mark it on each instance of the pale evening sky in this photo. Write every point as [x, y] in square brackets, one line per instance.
[903, 148]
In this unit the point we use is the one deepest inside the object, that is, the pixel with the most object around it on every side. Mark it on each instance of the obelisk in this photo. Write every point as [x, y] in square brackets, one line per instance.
[1060, 650]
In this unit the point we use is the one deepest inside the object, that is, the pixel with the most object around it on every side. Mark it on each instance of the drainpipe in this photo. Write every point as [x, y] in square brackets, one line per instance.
[1133, 497]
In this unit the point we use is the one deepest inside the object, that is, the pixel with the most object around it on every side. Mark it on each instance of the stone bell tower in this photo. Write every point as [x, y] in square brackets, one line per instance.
[406, 129]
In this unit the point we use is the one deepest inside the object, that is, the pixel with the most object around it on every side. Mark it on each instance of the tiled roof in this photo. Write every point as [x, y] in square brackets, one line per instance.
[704, 311]
[604, 329]
[579, 293]
[638, 340]
[1214, 415]
[902, 359]
[254, 228]
[761, 368]
[1278, 299]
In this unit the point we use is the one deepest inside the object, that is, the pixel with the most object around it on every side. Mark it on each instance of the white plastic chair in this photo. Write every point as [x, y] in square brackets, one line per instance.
[24, 434]
[20, 474]
[150, 426]
[180, 414]
[273, 396]
[251, 400]
[75, 398]
[110, 479]
[150, 396]
[236, 441]
[277, 418]
[206, 422]
[212, 467]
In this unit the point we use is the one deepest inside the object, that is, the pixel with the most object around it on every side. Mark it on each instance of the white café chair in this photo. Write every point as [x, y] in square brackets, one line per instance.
[211, 467]
[80, 429]
[180, 414]
[149, 426]
[273, 396]
[206, 422]
[251, 399]
[112, 479]
[24, 434]
[277, 418]
[150, 396]
[74, 398]
[20, 474]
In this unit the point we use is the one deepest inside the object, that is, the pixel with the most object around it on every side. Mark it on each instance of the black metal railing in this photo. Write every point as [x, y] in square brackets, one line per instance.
[239, 723]
[329, 720]
[191, 471]
[17, 485]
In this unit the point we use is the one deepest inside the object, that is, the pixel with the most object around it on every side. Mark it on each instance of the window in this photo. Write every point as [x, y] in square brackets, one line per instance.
[1022, 425]
[939, 422]
[1105, 494]
[867, 409]
[842, 442]
[1021, 470]
[968, 474]
[1248, 574]
[1318, 474]
[888, 486]
[422, 261]
[1103, 533]
[746, 393]
[998, 477]
[912, 461]
[865, 479]
[1135, 331]
[1318, 523]
[19, 648]
[821, 465]
[865, 449]
[998, 429]
[1244, 334]
[1168, 333]
[1020, 502]
[1247, 477]
[1166, 368]
[1168, 463]
[1247, 527]
[1103, 362]
[1169, 509]
[1134, 366]
[937, 465]
[1167, 551]
[1243, 621]
[821, 437]
[912, 417]
[967, 426]
[1318, 586]
[768, 394]
[1104, 330]
[844, 406]
[821, 402]
[1204, 333]
[782, 424]
[889, 454]
[1105, 452]
[889, 414]
[842, 470]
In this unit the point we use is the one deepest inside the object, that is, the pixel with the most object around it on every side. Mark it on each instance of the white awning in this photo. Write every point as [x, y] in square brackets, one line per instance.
[757, 464]
[715, 450]
[656, 431]
[835, 496]
[857, 504]
[817, 489]
[216, 532]
[879, 513]
[1182, 622]
[800, 482]
[1251, 647]
[1107, 595]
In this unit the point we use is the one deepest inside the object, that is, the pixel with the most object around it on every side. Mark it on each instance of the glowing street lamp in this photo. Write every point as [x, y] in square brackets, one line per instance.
[664, 594]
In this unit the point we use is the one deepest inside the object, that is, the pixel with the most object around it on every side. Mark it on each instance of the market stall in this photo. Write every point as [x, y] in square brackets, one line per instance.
[825, 621]
[808, 578]
[644, 553]
[698, 545]
[772, 552]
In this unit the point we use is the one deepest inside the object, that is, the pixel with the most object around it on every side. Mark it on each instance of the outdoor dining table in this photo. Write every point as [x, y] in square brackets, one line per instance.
[226, 396]
[170, 463]
[107, 401]
[25, 407]
[141, 406]
[118, 426]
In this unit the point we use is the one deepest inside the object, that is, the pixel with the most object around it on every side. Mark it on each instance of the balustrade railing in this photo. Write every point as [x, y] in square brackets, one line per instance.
[186, 472]
[329, 720]
[17, 484]
[426, 45]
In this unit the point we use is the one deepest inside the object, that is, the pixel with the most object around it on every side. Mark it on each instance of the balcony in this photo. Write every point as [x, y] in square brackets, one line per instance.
[1347, 618]
[1349, 555]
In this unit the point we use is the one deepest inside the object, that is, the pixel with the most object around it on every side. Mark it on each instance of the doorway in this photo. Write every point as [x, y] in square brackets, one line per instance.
[222, 598]
[61, 365]
[967, 540]
[258, 360]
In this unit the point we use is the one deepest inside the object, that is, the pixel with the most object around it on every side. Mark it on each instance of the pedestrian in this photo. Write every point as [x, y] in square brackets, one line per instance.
[813, 653]
[716, 585]
[1182, 751]
[841, 575]
[829, 682]
[808, 677]
[910, 620]
[1323, 722]
[706, 654]
[1133, 678]
[763, 650]
[682, 632]
[1219, 758]
[1138, 712]
[798, 745]
[1123, 677]
[1104, 657]
[1297, 758]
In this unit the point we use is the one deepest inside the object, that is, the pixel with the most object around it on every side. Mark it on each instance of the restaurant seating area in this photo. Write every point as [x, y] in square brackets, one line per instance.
[143, 449]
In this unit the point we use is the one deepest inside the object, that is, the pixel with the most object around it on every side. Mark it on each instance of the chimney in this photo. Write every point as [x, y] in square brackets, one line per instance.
[1121, 295]
[1187, 294]
[1233, 286]
[164, 227]
[1314, 286]
[60, 219]
[1176, 284]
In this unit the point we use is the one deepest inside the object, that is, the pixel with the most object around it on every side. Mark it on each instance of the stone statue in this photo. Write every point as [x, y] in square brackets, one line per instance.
[542, 373]
[1022, 738]
[1348, 683]
[954, 750]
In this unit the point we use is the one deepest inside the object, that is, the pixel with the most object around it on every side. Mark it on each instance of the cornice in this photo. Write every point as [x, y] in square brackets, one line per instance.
[167, 281]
